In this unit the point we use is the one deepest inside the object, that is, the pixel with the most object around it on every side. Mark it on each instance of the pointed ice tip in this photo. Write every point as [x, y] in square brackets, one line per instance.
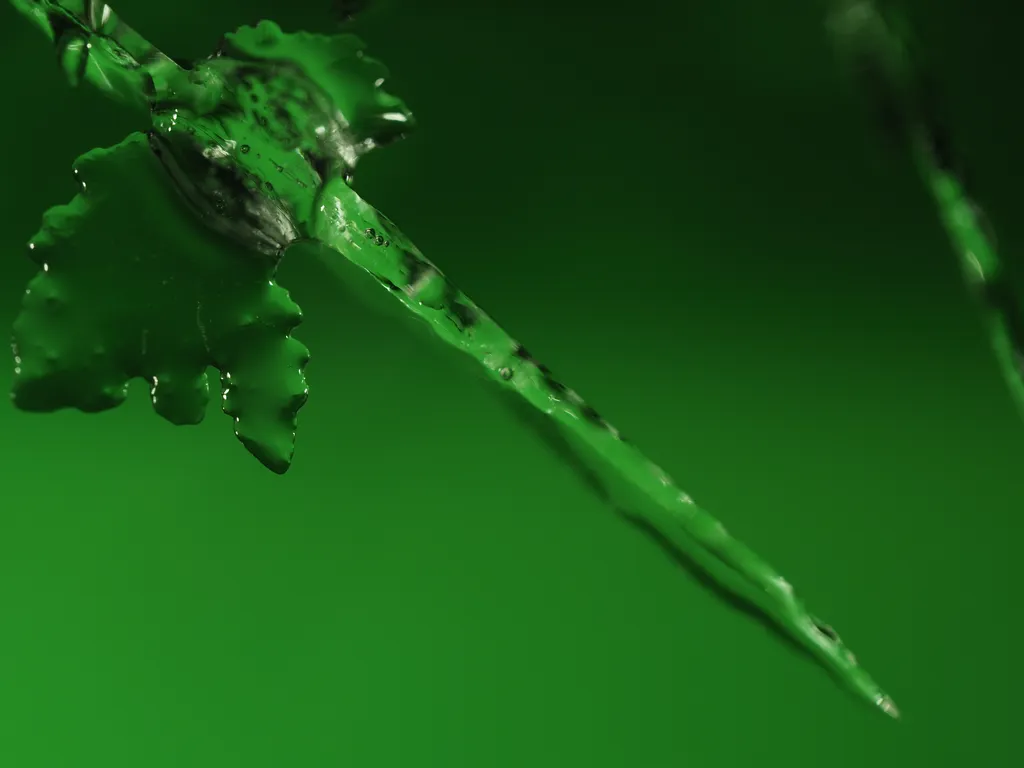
[888, 706]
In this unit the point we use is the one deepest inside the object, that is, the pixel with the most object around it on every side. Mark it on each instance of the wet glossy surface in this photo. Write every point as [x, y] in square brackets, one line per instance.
[518, 611]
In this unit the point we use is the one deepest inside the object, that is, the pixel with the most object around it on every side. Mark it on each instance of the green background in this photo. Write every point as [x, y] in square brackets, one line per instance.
[683, 210]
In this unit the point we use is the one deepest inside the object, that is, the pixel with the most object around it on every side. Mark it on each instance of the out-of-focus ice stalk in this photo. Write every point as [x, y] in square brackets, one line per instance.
[877, 48]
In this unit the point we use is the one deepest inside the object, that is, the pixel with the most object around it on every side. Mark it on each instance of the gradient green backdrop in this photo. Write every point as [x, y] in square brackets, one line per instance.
[679, 207]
